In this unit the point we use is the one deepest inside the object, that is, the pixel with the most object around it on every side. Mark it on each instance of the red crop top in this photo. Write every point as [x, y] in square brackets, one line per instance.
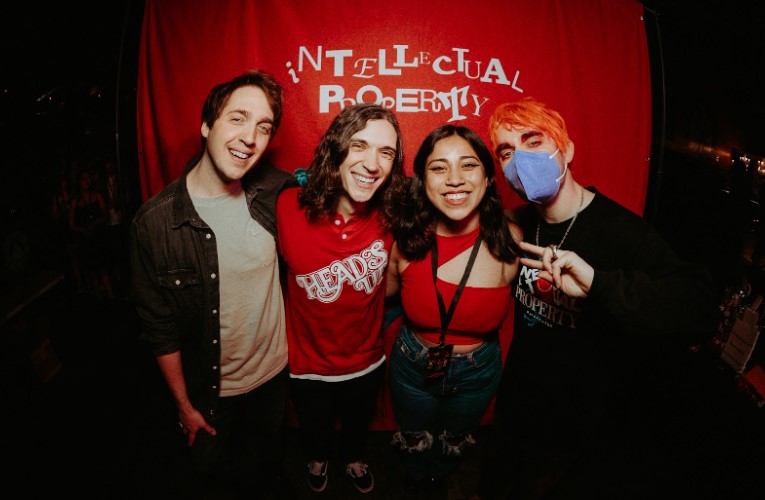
[480, 311]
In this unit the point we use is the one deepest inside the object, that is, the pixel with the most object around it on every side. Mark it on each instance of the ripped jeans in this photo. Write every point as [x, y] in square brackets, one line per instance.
[437, 418]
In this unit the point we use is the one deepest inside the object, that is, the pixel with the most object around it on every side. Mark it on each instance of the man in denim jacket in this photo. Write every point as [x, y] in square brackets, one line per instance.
[207, 290]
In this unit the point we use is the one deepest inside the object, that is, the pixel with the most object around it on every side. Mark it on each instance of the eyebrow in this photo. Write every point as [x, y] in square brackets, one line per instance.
[248, 114]
[529, 135]
[366, 143]
[466, 157]
[524, 138]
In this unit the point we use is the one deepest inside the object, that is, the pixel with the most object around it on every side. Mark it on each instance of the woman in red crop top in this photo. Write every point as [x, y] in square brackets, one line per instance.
[453, 262]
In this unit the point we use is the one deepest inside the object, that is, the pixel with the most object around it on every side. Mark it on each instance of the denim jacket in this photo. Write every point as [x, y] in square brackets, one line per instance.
[174, 263]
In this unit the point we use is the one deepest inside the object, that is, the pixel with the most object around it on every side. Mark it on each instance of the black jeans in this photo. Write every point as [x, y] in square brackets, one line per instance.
[348, 406]
[250, 431]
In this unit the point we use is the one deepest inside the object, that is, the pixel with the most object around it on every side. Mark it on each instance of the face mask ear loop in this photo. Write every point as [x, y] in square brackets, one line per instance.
[565, 167]
[561, 175]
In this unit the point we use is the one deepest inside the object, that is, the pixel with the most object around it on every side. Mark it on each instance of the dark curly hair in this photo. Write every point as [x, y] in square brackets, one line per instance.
[414, 229]
[319, 196]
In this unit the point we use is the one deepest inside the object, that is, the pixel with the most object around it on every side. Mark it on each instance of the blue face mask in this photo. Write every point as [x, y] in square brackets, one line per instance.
[534, 175]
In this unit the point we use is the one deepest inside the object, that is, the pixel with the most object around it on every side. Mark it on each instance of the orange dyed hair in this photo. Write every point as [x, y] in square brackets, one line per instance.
[530, 113]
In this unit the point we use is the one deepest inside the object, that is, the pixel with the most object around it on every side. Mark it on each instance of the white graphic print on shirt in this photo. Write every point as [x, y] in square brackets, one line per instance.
[543, 304]
[363, 272]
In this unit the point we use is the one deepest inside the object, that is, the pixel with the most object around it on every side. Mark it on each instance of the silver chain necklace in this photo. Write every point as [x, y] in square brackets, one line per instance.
[570, 224]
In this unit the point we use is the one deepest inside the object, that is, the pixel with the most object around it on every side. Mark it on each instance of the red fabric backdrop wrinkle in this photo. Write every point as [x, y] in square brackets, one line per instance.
[588, 59]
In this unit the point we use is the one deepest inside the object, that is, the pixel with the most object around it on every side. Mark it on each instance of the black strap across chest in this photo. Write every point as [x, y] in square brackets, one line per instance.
[446, 316]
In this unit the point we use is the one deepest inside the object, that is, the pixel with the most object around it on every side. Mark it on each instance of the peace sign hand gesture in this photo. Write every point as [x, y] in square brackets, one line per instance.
[563, 268]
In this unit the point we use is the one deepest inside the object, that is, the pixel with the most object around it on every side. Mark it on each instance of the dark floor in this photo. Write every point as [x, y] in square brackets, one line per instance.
[89, 417]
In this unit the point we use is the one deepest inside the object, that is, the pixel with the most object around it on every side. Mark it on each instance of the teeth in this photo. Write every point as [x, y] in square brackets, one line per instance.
[456, 196]
[366, 180]
[239, 154]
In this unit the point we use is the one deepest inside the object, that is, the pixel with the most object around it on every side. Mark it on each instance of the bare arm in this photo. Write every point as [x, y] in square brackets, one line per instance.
[510, 271]
[392, 282]
[190, 419]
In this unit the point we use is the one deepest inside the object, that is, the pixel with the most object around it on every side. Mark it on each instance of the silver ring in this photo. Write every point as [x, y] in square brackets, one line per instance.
[554, 252]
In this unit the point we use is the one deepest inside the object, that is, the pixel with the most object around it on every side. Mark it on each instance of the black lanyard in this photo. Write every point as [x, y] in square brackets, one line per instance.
[446, 317]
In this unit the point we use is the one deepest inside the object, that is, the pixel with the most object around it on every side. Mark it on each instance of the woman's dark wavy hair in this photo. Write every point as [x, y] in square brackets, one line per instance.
[319, 196]
[415, 228]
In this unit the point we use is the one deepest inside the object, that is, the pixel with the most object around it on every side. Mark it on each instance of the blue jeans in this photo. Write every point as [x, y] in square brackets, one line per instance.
[448, 410]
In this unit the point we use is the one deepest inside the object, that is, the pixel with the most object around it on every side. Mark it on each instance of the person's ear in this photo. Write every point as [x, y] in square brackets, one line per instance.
[205, 130]
[568, 154]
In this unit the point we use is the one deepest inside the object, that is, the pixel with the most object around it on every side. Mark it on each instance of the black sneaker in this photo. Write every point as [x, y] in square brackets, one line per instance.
[317, 475]
[361, 476]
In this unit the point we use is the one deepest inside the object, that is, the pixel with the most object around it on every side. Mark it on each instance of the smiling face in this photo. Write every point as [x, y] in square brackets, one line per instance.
[371, 152]
[455, 182]
[239, 136]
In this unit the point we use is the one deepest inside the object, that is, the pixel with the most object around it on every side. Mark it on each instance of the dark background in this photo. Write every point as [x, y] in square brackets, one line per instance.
[67, 94]
[713, 63]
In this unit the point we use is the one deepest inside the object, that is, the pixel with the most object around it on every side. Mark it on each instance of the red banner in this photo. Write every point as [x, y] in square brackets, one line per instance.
[431, 62]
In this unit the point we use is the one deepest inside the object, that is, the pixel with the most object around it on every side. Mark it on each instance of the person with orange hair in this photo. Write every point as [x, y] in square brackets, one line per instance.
[599, 294]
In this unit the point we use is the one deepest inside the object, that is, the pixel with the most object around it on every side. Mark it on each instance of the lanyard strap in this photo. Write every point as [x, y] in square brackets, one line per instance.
[446, 317]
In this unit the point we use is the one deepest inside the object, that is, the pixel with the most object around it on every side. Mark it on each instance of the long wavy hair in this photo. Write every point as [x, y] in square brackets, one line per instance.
[324, 186]
[414, 229]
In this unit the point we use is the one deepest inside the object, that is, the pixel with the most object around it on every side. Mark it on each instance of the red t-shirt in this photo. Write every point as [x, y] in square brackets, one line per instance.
[335, 289]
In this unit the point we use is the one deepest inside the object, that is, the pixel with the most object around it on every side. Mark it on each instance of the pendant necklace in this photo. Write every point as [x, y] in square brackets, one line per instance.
[570, 224]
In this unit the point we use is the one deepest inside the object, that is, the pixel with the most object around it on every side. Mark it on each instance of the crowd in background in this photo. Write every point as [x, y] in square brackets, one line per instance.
[87, 238]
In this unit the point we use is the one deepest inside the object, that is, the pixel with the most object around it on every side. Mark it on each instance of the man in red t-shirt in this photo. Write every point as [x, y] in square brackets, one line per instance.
[335, 240]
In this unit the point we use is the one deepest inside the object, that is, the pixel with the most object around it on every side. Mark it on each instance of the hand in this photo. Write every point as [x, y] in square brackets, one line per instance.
[192, 422]
[563, 268]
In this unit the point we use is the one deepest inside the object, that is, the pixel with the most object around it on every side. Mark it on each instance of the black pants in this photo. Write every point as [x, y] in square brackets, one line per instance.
[250, 430]
[347, 406]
